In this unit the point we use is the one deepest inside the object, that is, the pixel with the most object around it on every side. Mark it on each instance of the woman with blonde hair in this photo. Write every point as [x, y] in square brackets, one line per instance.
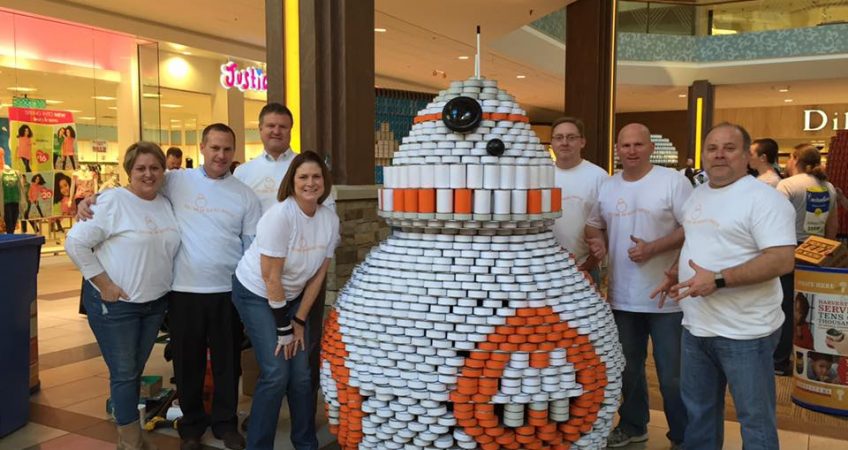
[126, 254]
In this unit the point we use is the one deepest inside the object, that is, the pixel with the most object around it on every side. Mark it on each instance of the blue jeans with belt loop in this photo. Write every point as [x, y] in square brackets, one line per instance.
[125, 333]
[710, 365]
[278, 377]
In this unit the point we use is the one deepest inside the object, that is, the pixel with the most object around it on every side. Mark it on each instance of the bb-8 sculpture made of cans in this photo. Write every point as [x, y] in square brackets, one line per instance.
[470, 327]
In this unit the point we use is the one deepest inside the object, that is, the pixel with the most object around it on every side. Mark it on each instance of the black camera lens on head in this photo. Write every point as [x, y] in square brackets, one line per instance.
[495, 147]
[462, 114]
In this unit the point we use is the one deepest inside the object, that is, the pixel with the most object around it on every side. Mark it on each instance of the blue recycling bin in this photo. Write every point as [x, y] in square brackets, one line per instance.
[19, 258]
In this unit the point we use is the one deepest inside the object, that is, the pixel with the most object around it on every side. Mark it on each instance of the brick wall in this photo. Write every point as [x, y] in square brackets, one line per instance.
[360, 229]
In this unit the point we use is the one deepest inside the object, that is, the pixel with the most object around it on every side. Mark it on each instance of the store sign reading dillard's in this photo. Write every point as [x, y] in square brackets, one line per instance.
[248, 79]
[817, 120]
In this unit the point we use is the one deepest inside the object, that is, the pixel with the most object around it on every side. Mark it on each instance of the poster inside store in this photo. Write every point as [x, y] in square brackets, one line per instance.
[820, 342]
[43, 149]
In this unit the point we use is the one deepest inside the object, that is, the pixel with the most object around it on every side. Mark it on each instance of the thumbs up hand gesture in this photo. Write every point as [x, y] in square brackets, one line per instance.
[641, 251]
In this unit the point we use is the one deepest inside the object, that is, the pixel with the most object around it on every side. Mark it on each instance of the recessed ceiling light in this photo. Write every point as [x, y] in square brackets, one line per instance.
[380, 30]
[53, 102]
[103, 97]
[150, 95]
[521, 77]
[113, 108]
[463, 57]
[784, 90]
[186, 53]
[170, 105]
[74, 110]
[85, 118]
[788, 100]
[21, 89]
[681, 95]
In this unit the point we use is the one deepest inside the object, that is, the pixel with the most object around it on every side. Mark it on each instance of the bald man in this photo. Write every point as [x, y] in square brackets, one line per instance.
[637, 217]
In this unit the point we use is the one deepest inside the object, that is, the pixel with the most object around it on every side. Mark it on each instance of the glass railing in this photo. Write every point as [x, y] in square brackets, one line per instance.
[729, 17]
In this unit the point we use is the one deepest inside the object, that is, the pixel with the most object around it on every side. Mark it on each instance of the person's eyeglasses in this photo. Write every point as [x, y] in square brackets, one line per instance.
[571, 138]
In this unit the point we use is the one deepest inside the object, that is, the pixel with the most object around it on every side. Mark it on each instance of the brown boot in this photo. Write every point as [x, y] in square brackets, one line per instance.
[129, 437]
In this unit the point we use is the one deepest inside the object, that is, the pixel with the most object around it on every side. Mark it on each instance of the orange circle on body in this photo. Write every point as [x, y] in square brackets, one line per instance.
[540, 432]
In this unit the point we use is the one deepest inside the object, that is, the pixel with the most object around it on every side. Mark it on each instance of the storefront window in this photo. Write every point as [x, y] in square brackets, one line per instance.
[67, 106]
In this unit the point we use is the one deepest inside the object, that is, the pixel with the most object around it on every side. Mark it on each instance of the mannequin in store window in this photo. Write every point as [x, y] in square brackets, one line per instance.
[11, 194]
[68, 145]
[25, 146]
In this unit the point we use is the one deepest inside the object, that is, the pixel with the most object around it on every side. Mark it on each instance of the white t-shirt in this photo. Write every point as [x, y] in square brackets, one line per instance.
[649, 209]
[812, 201]
[579, 193]
[134, 242]
[264, 174]
[770, 177]
[285, 231]
[726, 227]
[214, 215]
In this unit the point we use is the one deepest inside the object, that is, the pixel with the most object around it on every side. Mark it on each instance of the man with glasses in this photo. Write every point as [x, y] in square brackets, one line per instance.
[579, 180]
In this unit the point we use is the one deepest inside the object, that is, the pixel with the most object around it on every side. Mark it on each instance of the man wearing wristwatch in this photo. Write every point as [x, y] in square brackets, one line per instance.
[739, 238]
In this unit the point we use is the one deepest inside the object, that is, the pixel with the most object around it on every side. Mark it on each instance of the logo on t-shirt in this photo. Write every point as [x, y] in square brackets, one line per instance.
[817, 208]
[200, 201]
[267, 185]
[621, 206]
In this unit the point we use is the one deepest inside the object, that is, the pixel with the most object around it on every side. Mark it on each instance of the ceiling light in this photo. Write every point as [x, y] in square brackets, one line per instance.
[103, 97]
[788, 100]
[380, 30]
[85, 118]
[175, 120]
[186, 53]
[783, 89]
[170, 105]
[113, 108]
[681, 95]
[53, 102]
[463, 57]
[73, 110]
[21, 89]
[150, 95]
[521, 77]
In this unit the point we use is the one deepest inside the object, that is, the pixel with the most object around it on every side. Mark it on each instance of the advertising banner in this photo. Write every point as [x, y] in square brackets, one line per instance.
[43, 146]
[820, 342]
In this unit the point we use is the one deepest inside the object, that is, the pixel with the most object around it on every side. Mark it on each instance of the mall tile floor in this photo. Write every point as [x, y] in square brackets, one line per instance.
[68, 413]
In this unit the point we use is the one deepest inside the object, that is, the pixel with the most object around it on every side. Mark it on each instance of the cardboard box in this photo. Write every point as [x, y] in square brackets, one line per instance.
[822, 252]
[249, 372]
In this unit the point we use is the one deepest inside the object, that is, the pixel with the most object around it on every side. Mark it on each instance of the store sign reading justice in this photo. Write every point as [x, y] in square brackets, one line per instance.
[816, 119]
[249, 79]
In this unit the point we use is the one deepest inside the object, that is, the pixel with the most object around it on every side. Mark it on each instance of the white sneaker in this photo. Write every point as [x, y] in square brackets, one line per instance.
[618, 438]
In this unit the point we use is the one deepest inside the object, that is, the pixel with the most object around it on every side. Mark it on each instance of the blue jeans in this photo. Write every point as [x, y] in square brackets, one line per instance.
[710, 364]
[125, 333]
[278, 377]
[664, 330]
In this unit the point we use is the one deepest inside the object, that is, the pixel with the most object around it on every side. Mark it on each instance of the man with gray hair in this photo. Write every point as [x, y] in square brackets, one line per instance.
[740, 237]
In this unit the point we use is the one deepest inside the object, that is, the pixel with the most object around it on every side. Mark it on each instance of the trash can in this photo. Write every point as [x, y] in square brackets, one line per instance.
[19, 260]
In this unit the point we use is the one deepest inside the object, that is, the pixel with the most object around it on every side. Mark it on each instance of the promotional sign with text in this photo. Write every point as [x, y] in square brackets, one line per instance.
[820, 342]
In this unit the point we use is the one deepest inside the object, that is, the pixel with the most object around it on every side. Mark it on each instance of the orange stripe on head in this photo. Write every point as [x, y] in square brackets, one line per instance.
[540, 432]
